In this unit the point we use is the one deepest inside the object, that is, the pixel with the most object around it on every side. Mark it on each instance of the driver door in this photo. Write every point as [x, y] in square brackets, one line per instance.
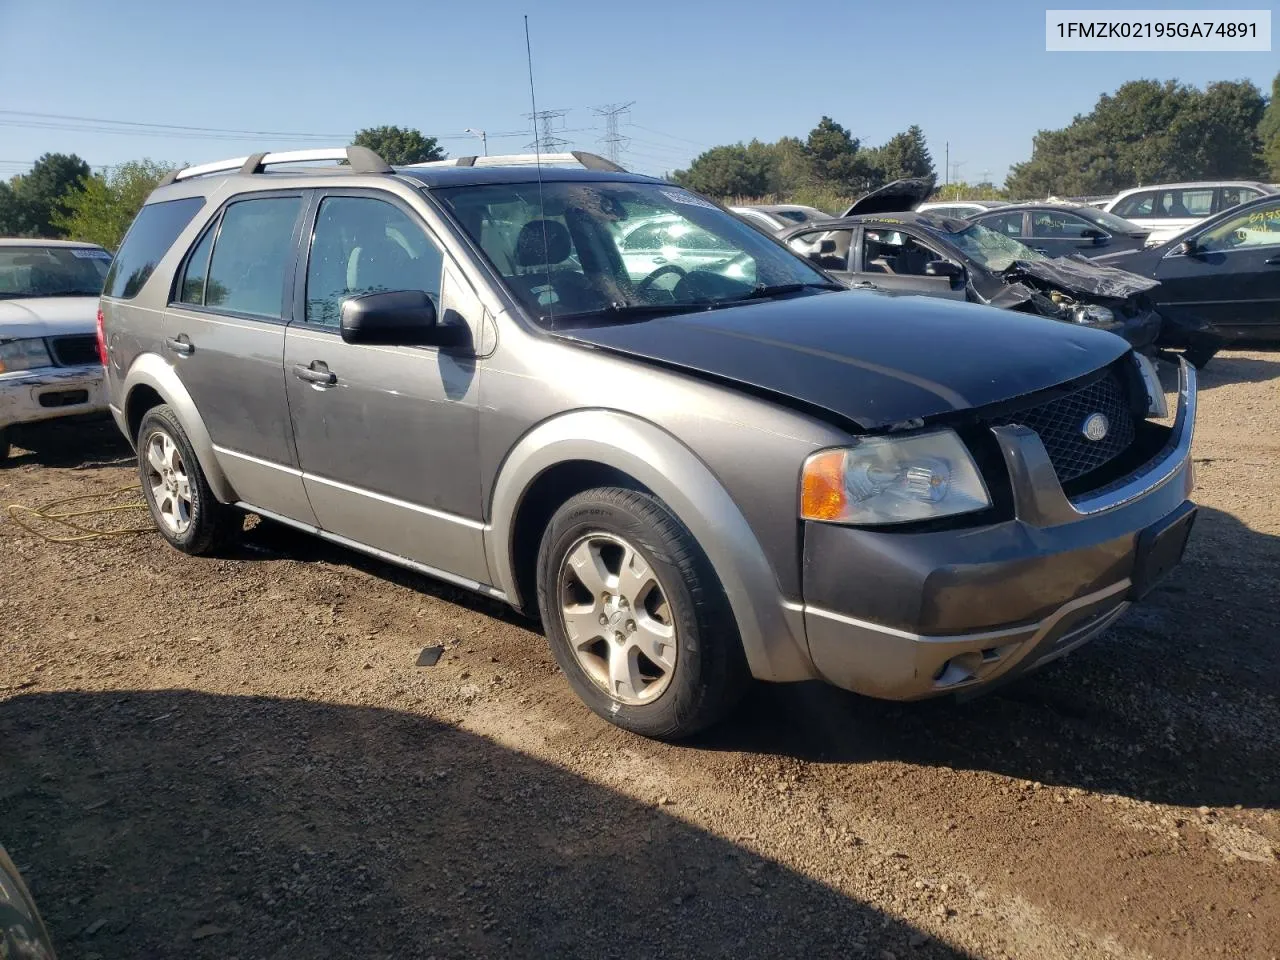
[895, 261]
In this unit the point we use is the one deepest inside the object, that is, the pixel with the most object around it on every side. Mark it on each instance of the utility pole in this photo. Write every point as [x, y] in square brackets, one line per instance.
[544, 130]
[946, 167]
[614, 142]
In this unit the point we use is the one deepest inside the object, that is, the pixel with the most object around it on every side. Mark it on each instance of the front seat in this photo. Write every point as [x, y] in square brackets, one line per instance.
[541, 247]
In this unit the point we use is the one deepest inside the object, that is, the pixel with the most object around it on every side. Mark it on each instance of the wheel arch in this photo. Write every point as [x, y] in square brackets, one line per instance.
[577, 451]
[151, 382]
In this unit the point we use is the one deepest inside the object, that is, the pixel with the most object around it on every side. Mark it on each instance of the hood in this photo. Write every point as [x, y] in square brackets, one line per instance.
[1080, 276]
[48, 316]
[867, 358]
[896, 197]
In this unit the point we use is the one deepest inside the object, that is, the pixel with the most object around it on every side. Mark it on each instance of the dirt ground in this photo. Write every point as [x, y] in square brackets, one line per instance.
[238, 758]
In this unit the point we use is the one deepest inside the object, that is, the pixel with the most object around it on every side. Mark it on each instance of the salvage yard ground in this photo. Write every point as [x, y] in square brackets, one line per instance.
[238, 758]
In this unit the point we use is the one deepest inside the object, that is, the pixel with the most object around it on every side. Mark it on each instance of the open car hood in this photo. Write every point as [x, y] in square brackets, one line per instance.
[896, 197]
[1080, 276]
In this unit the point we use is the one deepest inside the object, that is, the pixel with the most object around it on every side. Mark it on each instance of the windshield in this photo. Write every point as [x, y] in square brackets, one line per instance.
[601, 250]
[992, 250]
[39, 271]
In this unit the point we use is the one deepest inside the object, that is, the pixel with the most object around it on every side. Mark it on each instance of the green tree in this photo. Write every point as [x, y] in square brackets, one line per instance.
[103, 209]
[34, 200]
[399, 145]
[1147, 132]
[733, 170]
[834, 159]
[904, 155]
[1269, 132]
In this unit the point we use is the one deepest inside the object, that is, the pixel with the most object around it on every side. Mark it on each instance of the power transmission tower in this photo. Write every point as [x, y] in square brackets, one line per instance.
[614, 142]
[544, 130]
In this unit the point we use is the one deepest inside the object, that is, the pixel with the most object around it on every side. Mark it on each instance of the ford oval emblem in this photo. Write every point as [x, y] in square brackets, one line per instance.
[1096, 427]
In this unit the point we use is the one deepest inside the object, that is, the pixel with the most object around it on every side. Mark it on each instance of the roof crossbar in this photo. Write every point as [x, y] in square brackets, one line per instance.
[358, 159]
[590, 161]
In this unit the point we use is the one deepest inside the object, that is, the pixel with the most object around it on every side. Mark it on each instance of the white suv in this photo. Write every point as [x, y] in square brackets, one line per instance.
[1169, 208]
[50, 364]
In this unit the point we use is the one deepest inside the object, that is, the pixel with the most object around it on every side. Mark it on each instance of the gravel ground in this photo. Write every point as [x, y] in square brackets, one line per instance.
[238, 758]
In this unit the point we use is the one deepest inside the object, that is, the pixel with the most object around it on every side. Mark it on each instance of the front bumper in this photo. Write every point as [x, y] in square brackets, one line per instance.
[46, 393]
[910, 615]
[1141, 330]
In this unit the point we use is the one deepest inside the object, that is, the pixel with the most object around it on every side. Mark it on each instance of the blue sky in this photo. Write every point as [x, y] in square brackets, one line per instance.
[700, 73]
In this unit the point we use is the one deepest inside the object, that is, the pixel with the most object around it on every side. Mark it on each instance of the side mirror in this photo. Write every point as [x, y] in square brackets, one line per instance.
[1097, 236]
[1188, 247]
[943, 268]
[398, 318]
[826, 246]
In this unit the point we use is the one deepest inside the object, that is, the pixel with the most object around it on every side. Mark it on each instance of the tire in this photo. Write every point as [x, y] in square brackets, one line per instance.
[653, 584]
[1200, 354]
[4, 445]
[185, 511]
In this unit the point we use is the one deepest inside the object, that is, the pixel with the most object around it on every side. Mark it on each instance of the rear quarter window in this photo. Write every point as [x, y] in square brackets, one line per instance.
[148, 240]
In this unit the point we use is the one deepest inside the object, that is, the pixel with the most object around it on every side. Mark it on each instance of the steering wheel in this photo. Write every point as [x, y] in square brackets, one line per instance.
[642, 288]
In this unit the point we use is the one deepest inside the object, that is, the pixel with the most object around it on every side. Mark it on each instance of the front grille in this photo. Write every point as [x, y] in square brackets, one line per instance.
[1060, 423]
[74, 351]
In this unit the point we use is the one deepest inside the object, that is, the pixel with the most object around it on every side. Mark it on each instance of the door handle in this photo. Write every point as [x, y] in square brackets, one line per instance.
[317, 373]
[1272, 261]
[863, 285]
[1041, 250]
[181, 345]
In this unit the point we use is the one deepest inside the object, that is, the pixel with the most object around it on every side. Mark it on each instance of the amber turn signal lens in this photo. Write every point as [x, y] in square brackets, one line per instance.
[822, 493]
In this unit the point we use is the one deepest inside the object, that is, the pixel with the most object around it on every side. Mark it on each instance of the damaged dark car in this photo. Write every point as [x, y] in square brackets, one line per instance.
[880, 244]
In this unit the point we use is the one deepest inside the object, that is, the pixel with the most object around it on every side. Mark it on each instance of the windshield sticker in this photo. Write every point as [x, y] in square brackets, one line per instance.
[82, 254]
[687, 199]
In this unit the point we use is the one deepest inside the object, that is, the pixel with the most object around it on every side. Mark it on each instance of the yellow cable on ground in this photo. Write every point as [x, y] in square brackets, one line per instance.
[66, 519]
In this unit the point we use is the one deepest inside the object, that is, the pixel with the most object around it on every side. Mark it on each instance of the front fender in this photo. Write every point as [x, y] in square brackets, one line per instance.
[772, 631]
[152, 371]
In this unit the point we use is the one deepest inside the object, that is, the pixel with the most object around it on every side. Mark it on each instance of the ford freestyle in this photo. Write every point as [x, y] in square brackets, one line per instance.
[697, 460]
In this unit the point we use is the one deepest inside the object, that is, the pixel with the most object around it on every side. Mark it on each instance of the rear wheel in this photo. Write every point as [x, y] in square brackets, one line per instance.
[183, 507]
[635, 616]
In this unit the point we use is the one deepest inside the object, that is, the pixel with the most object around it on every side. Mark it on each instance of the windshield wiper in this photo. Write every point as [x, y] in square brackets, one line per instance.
[763, 290]
[622, 312]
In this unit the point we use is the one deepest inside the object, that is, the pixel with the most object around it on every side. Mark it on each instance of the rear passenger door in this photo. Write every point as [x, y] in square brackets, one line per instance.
[829, 250]
[224, 331]
[387, 436]
[1059, 234]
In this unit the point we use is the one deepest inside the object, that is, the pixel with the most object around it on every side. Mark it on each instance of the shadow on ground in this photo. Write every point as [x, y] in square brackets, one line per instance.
[1230, 367]
[184, 824]
[71, 443]
[1177, 704]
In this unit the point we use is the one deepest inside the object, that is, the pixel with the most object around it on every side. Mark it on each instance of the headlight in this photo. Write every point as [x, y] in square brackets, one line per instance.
[23, 355]
[1090, 313]
[919, 476]
[1157, 405]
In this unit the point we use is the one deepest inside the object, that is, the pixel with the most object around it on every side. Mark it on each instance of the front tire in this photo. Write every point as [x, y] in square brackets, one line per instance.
[184, 509]
[635, 616]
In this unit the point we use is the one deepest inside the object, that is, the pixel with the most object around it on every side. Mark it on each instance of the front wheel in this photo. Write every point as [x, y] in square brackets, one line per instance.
[183, 507]
[635, 616]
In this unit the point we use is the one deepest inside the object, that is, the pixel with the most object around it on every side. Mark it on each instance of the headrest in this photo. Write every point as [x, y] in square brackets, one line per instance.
[530, 249]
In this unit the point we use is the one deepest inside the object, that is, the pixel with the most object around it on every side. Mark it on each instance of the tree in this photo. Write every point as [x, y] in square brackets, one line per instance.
[904, 155]
[102, 211]
[1269, 132]
[1147, 132]
[32, 201]
[833, 156]
[733, 170]
[399, 145]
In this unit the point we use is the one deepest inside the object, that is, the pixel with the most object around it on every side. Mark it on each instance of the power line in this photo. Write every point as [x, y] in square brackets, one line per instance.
[670, 136]
[613, 141]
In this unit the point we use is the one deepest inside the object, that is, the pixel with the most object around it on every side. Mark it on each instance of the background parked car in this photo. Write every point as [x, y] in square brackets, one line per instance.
[959, 208]
[778, 216]
[50, 366]
[908, 252]
[1061, 229]
[1224, 270]
[1168, 208]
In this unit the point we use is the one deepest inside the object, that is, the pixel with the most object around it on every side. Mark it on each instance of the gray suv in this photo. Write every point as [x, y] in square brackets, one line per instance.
[696, 467]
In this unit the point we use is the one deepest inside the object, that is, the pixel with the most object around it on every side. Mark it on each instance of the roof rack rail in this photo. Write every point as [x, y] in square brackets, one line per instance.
[359, 160]
[590, 161]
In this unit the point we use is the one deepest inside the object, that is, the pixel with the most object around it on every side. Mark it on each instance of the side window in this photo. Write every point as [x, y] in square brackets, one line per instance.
[890, 251]
[1046, 225]
[1138, 205]
[193, 279]
[363, 245]
[1010, 224]
[828, 249]
[152, 234]
[1229, 196]
[1260, 227]
[1185, 203]
[252, 252]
